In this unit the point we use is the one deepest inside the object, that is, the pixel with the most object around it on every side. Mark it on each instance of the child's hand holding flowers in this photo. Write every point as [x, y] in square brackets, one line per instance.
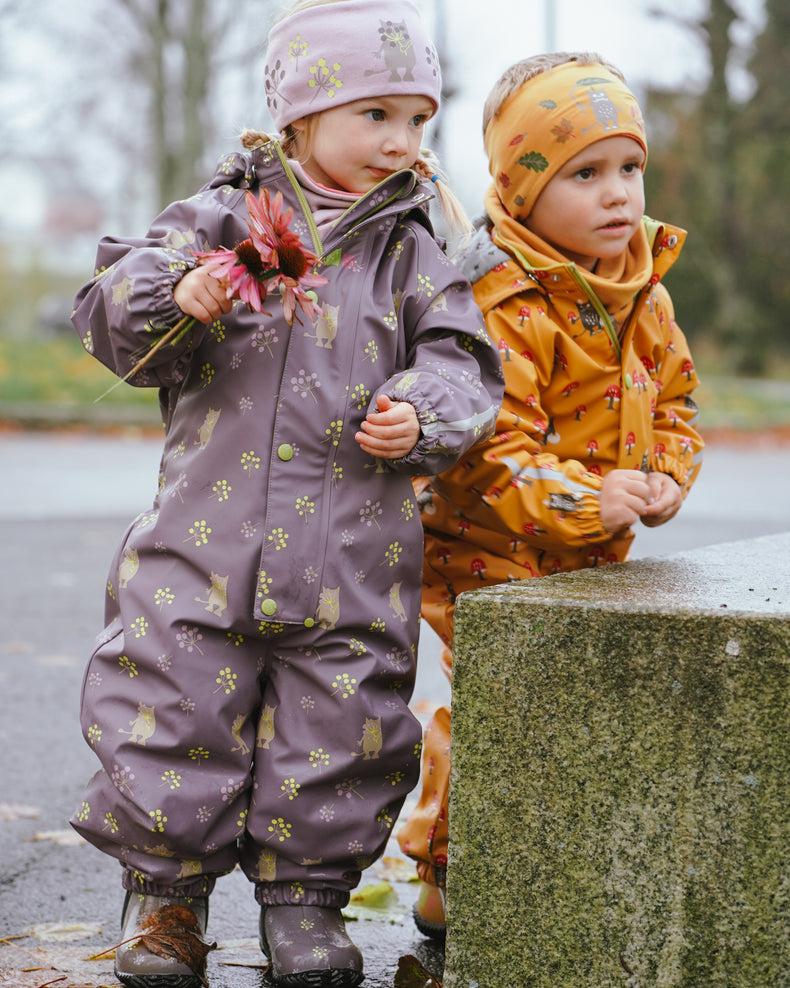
[272, 258]
[199, 294]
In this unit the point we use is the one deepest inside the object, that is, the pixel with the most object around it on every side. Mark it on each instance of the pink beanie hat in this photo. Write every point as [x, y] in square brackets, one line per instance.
[335, 53]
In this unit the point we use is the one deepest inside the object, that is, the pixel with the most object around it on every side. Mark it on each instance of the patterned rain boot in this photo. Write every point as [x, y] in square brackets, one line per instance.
[428, 911]
[309, 947]
[166, 922]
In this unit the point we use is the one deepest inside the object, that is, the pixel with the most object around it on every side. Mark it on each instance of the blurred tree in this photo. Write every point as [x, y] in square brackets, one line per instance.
[150, 93]
[172, 63]
[12, 15]
[693, 179]
[764, 177]
[176, 55]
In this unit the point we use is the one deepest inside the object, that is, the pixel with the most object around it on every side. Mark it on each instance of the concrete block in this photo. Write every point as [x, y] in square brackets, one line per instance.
[620, 788]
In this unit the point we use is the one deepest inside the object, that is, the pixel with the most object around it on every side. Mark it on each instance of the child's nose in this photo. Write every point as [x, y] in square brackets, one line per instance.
[397, 141]
[616, 191]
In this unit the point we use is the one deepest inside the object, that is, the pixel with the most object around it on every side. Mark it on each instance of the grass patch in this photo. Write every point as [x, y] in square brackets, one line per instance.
[743, 404]
[56, 374]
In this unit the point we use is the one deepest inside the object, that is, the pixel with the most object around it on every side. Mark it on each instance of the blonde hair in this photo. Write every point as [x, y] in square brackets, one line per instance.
[513, 78]
[427, 167]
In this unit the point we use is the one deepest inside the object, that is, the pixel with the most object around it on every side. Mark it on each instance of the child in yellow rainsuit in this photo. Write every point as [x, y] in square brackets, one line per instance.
[597, 430]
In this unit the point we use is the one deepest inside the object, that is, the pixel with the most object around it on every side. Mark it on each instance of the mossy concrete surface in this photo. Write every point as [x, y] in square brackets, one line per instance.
[620, 790]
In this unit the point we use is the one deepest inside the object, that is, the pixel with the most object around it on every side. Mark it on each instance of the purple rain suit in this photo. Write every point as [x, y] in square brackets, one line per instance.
[248, 696]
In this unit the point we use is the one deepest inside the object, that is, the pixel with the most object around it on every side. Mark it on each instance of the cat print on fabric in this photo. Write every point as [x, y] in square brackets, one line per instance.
[143, 726]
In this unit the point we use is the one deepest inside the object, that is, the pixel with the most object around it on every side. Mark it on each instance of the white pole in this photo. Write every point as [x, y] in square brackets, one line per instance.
[550, 7]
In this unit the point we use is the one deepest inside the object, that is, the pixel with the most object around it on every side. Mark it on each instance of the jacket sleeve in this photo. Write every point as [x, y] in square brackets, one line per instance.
[677, 448]
[512, 484]
[128, 304]
[453, 374]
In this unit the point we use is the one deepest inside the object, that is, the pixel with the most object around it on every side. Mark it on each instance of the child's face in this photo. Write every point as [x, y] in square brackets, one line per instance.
[357, 145]
[594, 204]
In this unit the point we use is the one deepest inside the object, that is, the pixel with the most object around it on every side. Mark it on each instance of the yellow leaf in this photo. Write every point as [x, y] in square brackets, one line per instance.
[65, 838]
[14, 811]
[374, 896]
[64, 932]
[376, 902]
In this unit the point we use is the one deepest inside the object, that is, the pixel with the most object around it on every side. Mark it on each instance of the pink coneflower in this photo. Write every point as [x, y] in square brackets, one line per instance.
[272, 257]
[291, 262]
[243, 270]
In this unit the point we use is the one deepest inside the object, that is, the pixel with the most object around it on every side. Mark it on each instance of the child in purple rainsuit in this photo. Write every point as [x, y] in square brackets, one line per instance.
[248, 696]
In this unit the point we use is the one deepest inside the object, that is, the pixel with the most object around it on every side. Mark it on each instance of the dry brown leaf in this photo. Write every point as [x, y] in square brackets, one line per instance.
[65, 838]
[412, 974]
[65, 932]
[16, 648]
[27, 963]
[395, 869]
[174, 931]
[15, 811]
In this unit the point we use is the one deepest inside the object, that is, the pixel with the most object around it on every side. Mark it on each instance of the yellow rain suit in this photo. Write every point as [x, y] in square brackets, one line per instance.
[598, 376]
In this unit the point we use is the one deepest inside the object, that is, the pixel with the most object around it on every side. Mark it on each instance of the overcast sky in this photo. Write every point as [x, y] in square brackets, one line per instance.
[482, 37]
[486, 36]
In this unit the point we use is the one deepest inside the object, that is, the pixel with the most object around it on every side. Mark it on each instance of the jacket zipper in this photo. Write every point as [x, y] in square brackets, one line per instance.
[315, 235]
[580, 280]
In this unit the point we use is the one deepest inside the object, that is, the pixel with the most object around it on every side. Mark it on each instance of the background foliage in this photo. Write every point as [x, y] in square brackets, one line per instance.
[154, 90]
[720, 170]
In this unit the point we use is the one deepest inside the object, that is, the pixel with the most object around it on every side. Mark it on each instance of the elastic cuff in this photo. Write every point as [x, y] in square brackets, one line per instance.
[198, 887]
[284, 894]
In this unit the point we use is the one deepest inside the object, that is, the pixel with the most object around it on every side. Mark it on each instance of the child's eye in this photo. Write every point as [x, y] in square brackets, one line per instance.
[418, 120]
[631, 167]
[585, 173]
[377, 114]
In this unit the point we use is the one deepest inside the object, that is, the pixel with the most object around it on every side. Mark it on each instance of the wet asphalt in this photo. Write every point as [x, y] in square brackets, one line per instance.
[65, 500]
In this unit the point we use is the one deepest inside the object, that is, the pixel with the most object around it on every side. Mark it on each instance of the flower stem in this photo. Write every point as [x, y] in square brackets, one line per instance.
[172, 335]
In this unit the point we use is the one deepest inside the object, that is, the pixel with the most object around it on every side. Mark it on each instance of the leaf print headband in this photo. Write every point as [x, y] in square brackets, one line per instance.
[551, 118]
[335, 53]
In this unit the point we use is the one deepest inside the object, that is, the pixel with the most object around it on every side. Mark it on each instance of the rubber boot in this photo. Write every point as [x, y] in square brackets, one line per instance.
[428, 912]
[138, 967]
[309, 947]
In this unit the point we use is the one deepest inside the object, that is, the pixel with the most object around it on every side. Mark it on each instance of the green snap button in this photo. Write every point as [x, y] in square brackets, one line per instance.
[629, 383]
[285, 451]
[269, 607]
[309, 622]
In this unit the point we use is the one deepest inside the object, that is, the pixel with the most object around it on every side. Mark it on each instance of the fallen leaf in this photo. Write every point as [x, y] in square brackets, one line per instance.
[16, 648]
[376, 902]
[242, 953]
[374, 896]
[65, 838]
[15, 811]
[394, 869]
[57, 661]
[65, 932]
[411, 974]
[35, 963]
[174, 931]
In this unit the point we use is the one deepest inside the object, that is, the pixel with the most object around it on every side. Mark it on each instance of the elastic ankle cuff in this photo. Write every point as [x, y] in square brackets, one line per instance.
[276, 894]
[199, 887]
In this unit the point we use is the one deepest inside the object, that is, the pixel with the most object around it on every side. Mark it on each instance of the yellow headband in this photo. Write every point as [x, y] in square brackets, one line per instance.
[551, 118]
